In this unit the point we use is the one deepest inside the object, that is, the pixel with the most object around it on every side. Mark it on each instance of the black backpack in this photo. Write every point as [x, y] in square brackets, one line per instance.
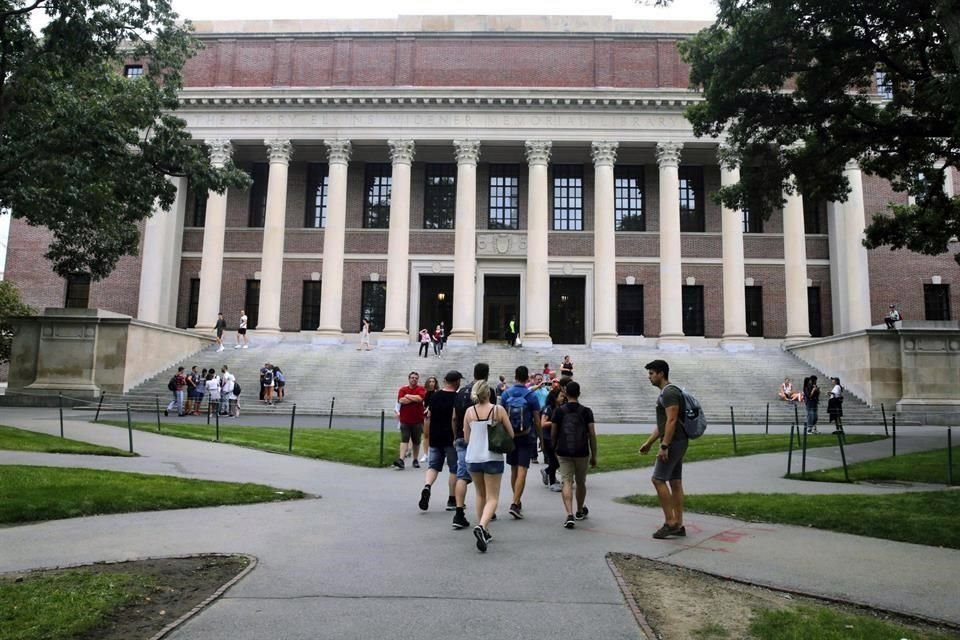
[236, 388]
[573, 433]
[172, 385]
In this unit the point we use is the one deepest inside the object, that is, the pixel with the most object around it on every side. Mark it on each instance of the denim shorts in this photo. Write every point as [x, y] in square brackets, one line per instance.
[463, 473]
[437, 457]
[493, 468]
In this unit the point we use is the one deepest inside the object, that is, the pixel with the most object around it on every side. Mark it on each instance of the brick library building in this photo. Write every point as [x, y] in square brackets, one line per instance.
[477, 170]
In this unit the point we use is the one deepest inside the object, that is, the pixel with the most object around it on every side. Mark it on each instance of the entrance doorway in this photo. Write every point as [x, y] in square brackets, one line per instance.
[501, 301]
[692, 310]
[436, 302]
[567, 310]
[754, 315]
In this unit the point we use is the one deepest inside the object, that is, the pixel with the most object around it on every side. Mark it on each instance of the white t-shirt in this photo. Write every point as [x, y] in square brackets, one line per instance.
[213, 388]
[243, 322]
[477, 447]
[837, 391]
[228, 380]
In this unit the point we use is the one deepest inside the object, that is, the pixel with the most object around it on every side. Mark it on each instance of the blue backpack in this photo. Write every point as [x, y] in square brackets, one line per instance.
[521, 419]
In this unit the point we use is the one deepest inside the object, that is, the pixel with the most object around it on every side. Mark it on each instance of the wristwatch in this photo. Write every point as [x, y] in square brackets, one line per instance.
[664, 446]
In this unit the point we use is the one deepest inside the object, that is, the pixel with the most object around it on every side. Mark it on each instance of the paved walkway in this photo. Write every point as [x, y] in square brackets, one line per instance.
[362, 561]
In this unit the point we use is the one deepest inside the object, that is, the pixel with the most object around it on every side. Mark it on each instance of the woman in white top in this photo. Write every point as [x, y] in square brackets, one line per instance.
[213, 391]
[365, 335]
[787, 392]
[485, 466]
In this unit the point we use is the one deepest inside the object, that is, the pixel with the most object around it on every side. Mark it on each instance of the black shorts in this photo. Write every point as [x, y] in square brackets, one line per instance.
[242, 331]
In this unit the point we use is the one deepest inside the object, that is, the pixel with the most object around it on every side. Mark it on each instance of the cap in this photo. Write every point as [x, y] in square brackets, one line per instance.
[453, 376]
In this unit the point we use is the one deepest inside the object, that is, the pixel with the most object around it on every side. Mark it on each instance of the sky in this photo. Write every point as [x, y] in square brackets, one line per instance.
[289, 9]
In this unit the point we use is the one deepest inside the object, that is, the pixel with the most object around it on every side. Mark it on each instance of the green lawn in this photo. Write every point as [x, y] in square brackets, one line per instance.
[29, 494]
[826, 623]
[64, 605]
[928, 518]
[362, 448]
[14, 439]
[926, 466]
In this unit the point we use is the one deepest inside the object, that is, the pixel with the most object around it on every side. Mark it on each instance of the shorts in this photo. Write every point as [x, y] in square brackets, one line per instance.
[219, 333]
[463, 473]
[574, 469]
[672, 469]
[437, 457]
[410, 432]
[493, 468]
[242, 332]
[525, 451]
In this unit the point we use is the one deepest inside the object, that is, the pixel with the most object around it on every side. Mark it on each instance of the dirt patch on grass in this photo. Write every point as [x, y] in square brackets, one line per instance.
[682, 604]
[177, 586]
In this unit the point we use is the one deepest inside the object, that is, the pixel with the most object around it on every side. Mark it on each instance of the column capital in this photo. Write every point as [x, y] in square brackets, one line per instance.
[668, 154]
[466, 151]
[851, 165]
[604, 153]
[279, 150]
[538, 151]
[401, 151]
[220, 151]
[338, 151]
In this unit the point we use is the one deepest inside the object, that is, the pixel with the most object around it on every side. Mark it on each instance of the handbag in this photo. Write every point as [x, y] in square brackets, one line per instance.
[498, 440]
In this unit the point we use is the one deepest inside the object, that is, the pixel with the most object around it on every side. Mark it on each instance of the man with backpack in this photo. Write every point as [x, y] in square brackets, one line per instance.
[524, 410]
[575, 436]
[668, 471]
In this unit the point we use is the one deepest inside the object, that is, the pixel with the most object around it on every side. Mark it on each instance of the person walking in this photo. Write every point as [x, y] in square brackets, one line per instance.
[524, 411]
[364, 335]
[481, 371]
[424, 343]
[437, 339]
[242, 331]
[811, 398]
[439, 424]
[431, 386]
[410, 397]
[219, 328]
[486, 467]
[574, 437]
[555, 399]
[668, 470]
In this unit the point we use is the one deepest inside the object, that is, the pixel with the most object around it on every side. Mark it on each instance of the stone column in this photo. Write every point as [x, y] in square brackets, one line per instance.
[464, 331]
[604, 248]
[274, 227]
[211, 264]
[838, 267]
[671, 282]
[160, 263]
[857, 272]
[334, 235]
[398, 246]
[734, 303]
[795, 266]
[535, 323]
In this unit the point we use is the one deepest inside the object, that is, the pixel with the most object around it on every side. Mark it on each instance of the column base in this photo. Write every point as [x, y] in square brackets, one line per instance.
[536, 340]
[605, 342]
[393, 338]
[734, 344]
[264, 336]
[327, 336]
[796, 339]
[462, 339]
[673, 343]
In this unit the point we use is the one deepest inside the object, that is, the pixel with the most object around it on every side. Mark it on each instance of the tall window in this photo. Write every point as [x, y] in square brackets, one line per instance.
[691, 199]
[310, 311]
[200, 209]
[440, 196]
[630, 309]
[78, 291]
[376, 204]
[884, 85]
[936, 301]
[318, 184]
[812, 211]
[504, 197]
[251, 303]
[373, 304]
[133, 71]
[568, 197]
[193, 304]
[628, 198]
[260, 173]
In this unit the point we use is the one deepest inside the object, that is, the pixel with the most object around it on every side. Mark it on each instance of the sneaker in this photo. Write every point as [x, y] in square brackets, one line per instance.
[666, 531]
[556, 487]
[569, 523]
[515, 511]
[246, 346]
[582, 514]
[219, 349]
[680, 532]
[416, 464]
[398, 463]
[236, 346]
[488, 535]
[165, 413]
[425, 498]
[423, 457]
[494, 517]
[460, 520]
[478, 533]
[451, 504]
[545, 477]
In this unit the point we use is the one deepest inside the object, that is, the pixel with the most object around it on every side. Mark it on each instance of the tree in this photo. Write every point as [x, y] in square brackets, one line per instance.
[10, 306]
[792, 85]
[84, 150]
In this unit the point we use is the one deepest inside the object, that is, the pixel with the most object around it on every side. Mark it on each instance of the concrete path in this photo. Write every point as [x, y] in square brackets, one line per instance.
[362, 561]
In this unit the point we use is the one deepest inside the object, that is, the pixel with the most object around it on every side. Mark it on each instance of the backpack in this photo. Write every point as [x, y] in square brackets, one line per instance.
[573, 434]
[520, 417]
[236, 388]
[267, 378]
[172, 385]
[692, 420]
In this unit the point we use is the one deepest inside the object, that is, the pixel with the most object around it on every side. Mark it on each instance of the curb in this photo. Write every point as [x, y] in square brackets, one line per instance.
[645, 627]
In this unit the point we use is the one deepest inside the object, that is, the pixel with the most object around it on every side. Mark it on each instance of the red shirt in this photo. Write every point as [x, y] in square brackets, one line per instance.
[411, 413]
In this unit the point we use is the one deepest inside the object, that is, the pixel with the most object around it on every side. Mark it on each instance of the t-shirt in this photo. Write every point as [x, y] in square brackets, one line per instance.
[221, 325]
[243, 322]
[670, 397]
[213, 388]
[812, 396]
[180, 381]
[441, 412]
[412, 412]
[542, 394]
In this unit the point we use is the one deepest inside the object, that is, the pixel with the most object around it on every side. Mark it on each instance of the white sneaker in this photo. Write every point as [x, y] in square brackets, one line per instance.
[245, 346]
[236, 346]
[220, 348]
[423, 457]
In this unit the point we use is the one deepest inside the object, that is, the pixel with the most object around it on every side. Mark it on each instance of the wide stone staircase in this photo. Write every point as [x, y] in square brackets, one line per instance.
[614, 384]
